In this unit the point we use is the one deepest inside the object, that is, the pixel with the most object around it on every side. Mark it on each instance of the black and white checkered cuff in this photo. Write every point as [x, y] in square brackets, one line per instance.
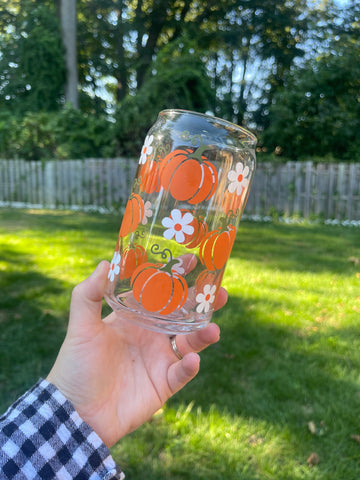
[43, 437]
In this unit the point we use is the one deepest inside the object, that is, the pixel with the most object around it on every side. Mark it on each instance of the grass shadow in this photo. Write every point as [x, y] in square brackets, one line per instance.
[288, 378]
[263, 372]
[32, 325]
[299, 248]
[59, 220]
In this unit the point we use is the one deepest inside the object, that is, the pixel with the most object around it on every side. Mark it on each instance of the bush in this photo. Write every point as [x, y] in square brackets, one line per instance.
[66, 134]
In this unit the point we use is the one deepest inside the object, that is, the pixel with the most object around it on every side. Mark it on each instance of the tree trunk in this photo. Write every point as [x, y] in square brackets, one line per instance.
[122, 73]
[242, 103]
[68, 28]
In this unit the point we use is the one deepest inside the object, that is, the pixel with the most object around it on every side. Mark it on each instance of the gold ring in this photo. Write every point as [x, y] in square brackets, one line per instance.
[175, 348]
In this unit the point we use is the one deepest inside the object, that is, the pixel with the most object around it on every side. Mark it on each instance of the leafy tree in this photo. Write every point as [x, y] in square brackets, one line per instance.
[136, 58]
[317, 112]
[243, 43]
[32, 57]
[178, 80]
[119, 40]
[282, 29]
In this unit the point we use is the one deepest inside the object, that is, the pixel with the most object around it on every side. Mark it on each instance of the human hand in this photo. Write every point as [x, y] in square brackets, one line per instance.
[118, 374]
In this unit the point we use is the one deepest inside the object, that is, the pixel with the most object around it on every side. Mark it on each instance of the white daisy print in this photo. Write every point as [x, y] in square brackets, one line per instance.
[147, 149]
[238, 178]
[206, 298]
[178, 225]
[114, 266]
[147, 212]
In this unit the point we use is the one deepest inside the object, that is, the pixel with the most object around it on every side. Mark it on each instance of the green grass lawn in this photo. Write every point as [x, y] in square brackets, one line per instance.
[277, 398]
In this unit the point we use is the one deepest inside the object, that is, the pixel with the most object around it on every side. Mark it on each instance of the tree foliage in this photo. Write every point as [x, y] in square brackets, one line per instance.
[231, 36]
[179, 80]
[317, 111]
[280, 66]
[32, 57]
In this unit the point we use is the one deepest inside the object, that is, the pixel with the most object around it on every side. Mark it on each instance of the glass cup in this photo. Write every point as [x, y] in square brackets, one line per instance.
[180, 221]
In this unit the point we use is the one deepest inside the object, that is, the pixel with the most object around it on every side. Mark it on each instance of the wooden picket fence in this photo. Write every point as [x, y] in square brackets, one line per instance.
[304, 189]
[82, 184]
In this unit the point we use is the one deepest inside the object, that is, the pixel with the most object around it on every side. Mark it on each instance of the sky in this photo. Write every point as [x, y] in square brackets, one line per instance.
[342, 3]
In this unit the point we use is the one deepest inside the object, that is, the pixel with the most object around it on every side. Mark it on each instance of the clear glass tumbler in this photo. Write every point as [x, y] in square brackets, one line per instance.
[180, 221]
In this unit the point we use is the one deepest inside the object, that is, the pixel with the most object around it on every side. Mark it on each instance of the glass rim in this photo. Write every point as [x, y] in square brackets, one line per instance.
[213, 118]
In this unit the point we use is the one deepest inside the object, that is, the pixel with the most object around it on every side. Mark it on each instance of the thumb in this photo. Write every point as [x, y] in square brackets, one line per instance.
[180, 373]
[86, 299]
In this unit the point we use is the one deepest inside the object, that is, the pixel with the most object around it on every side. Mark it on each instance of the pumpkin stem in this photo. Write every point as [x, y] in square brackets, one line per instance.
[199, 151]
[169, 265]
[166, 253]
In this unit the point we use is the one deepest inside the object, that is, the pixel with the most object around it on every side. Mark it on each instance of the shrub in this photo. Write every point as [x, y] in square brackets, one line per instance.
[66, 134]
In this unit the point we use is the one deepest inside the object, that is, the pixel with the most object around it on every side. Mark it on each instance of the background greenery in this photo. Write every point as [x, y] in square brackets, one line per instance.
[278, 398]
[287, 68]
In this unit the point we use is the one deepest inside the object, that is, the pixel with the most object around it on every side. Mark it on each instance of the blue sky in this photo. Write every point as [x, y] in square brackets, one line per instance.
[342, 3]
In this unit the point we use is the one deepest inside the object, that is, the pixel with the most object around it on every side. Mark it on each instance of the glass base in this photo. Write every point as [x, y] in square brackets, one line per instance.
[180, 323]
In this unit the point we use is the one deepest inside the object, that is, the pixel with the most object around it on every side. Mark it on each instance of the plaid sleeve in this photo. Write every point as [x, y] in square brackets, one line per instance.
[43, 437]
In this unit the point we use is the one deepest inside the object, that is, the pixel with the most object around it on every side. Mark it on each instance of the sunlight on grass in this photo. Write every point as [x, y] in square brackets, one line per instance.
[288, 358]
[210, 444]
[282, 384]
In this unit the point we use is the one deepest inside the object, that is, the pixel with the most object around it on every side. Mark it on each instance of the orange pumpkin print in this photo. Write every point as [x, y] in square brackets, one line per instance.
[134, 213]
[158, 288]
[150, 177]
[188, 176]
[132, 257]
[206, 277]
[232, 203]
[200, 230]
[215, 248]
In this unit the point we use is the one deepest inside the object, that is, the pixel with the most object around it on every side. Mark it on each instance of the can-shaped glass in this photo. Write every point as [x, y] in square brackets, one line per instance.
[180, 221]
